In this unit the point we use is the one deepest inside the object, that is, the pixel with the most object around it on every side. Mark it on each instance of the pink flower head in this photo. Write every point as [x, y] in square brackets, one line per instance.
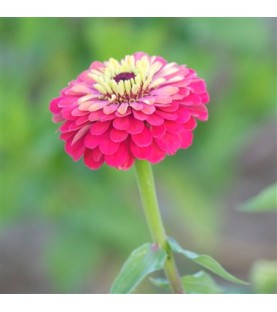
[141, 107]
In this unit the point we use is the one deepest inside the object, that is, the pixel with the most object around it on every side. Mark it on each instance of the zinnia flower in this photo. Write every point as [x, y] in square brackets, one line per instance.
[139, 108]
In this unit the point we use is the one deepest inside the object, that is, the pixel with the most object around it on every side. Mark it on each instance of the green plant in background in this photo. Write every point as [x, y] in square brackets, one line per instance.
[77, 213]
[263, 274]
[265, 201]
[264, 277]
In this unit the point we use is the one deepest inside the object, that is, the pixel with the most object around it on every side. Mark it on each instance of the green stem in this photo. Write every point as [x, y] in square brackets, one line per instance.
[151, 209]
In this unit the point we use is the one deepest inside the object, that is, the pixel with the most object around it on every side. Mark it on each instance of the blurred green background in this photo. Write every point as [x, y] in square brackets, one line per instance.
[67, 229]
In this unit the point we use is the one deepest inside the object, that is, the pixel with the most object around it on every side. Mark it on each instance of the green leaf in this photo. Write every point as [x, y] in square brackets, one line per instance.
[264, 276]
[144, 260]
[205, 261]
[266, 200]
[198, 283]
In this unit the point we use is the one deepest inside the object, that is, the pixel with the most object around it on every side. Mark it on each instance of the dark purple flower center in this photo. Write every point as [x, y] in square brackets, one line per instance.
[124, 76]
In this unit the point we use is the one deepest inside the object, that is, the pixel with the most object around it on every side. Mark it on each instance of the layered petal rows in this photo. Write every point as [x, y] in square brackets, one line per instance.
[139, 108]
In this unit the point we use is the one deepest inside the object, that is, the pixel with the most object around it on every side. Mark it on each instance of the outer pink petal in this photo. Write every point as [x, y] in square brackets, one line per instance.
[76, 150]
[184, 114]
[158, 131]
[121, 123]
[140, 115]
[156, 155]
[92, 159]
[107, 146]
[135, 126]
[198, 86]
[54, 106]
[190, 125]
[155, 120]
[143, 139]
[187, 138]
[140, 152]
[169, 143]
[167, 115]
[99, 127]
[91, 141]
[118, 158]
[173, 127]
[128, 163]
[199, 111]
[118, 135]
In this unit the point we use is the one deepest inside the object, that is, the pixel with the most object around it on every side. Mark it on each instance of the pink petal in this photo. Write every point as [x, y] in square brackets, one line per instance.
[76, 150]
[136, 126]
[199, 111]
[76, 112]
[95, 116]
[165, 91]
[118, 135]
[173, 127]
[118, 158]
[69, 126]
[68, 100]
[140, 152]
[158, 131]
[80, 133]
[84, 77]
[177, 96]
[205, 98]
[169, 143]
[127, 112]
[54, 106]
[92, 159]
[187, 138]
[107, 146]
[144, 138]
[91, 141]
[183, 114]
[104, 117]
[79, 88]
[166, 115]
[139, 55]
[170, 108]
[128, 163]
[148, 109]
[184, 91]
[192, 99]
[136, 105]
[121, 123]
[156, 155]
[81, 120]
[122, 109]
[98, 128]
[66, 113]
[198, 86]
[163, 99]
[149, 100]
[66, 136]
[139, 115]
[190, 125]
[109, 109]
[57, 118]
[155, 120]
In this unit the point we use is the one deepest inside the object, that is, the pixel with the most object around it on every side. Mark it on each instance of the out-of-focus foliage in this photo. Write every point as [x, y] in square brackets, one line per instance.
[266, 200]
[94, 216]
[264, 277]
